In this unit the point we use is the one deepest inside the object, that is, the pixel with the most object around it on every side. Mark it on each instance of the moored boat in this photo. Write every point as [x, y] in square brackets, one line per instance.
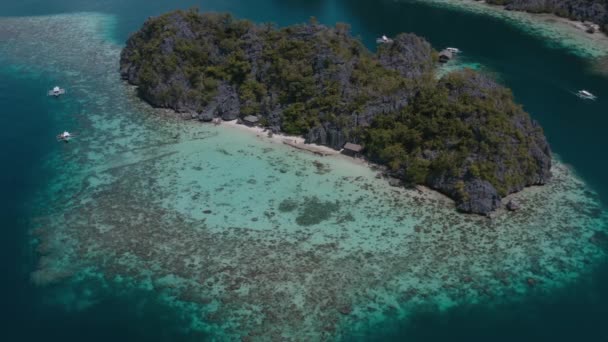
[586, 95]
[65, 136]
[56, 91]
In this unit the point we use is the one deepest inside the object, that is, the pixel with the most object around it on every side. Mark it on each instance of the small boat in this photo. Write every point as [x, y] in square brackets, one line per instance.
[56, 91]
[586, 95]
[384, 40]
[453, 50]
[65, 136]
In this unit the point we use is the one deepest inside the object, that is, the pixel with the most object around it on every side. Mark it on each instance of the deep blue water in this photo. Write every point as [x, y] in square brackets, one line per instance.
[541, 77]
[30, 120]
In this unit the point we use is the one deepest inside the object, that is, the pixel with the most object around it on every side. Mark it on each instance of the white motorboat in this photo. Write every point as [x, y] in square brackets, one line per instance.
[384, 40]
[65, 136]
[586, 95]
[453, 50]
[56, 91]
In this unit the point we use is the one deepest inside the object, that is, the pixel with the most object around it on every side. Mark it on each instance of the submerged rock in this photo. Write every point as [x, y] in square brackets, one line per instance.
[513, 205]
[345, 310]
[599, 238]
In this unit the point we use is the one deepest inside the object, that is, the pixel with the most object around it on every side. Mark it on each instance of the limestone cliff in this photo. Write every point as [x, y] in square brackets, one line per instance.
[461, 135]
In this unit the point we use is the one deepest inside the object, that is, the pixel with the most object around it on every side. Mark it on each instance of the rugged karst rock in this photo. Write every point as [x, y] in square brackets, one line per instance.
[461, 135]
[513, 205]
[466, 138]
[409, 55]
[306, 79]
[228, 107]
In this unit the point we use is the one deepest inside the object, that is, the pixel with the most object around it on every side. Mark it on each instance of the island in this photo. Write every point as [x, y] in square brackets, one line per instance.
[462, 134]
[595, 11]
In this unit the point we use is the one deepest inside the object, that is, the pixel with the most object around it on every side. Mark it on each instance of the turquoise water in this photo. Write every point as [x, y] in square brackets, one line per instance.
[151, 228]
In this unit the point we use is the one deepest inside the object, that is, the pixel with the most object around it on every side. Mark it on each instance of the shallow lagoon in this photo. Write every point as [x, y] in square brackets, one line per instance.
[226, 227]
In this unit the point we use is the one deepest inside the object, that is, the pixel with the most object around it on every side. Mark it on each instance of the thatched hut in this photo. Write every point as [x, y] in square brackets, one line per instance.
[352, 150]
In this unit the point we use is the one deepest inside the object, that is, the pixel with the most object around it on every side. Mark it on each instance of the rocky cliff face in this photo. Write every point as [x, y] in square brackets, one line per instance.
[214, 66]
[519, 155]
[319, 82]
[463, 137]
[595, 11]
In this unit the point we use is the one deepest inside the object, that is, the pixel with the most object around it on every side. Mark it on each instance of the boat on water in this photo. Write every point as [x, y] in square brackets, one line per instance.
[56, 91]
[384, 40]
[586, 95]
[65, 136]
[453, 50]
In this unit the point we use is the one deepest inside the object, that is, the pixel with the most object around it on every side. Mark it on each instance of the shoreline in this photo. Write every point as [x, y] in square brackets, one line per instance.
[295, 142]
[281, 138]
[567, 33]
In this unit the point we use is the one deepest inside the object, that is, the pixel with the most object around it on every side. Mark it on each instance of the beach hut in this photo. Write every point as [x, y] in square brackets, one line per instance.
[352, 150]
[445, 56]
[251, 120]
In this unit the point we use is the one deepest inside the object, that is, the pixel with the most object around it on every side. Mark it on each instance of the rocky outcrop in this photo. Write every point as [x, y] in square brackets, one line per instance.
[179, 61]
[481, 197]
[409, 55]
[326, 134]
[207, 115]
[228, 107]
[520, 159]
[465, 138]
[512, 205]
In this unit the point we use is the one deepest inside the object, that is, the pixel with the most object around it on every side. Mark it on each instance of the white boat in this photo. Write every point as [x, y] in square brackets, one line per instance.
[584, 94]
[384, 40]
[65, 136]
[453, 50]
[56, 91]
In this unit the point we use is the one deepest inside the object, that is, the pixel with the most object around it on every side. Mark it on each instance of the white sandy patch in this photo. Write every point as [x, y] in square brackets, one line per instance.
[280, 138]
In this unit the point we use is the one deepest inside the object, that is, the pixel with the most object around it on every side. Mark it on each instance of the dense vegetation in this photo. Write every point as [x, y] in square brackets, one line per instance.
[314, 74]
[583, 10]
[462, 135]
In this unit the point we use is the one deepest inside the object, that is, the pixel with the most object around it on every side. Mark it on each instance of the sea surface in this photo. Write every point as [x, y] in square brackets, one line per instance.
[147, 228]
